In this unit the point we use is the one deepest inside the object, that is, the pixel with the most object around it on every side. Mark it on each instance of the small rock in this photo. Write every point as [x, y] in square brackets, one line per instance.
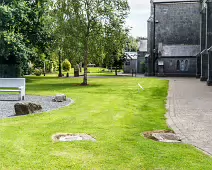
[26, 108]
[59, 98]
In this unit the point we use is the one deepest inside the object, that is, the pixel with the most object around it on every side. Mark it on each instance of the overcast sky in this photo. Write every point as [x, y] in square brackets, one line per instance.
[139, 13]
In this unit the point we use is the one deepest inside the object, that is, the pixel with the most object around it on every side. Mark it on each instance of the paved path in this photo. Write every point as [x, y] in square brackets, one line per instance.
[190, 112]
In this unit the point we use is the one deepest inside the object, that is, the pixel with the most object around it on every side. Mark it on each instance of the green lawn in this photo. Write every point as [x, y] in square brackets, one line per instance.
[109, 109]
[92, 71]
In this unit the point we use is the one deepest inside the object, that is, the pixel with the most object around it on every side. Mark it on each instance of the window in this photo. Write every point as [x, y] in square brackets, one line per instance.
[127, 63]
[170, 63]
[186, 65]
[178, 65]
[182, 65]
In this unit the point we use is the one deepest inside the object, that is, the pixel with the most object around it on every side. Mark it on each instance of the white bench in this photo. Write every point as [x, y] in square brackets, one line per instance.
[18, 85]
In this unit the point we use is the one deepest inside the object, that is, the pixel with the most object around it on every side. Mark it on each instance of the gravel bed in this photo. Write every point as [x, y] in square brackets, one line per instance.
[7, 103]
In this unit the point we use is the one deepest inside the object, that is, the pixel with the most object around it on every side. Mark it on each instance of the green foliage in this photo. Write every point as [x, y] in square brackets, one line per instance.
[38, 72]
[66, 65]
[82, 28]
[23, 32]
[143, 66]
[132, 44]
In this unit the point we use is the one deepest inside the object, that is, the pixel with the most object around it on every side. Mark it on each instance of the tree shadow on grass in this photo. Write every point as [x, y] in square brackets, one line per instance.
[60, 86]
[34, 79]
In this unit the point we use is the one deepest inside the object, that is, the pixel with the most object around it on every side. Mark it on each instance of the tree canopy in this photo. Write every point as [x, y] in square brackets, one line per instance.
[85, 31]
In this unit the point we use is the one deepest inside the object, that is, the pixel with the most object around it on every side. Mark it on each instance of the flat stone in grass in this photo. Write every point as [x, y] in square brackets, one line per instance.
[163, 136]
[72, 138]
[167, 137]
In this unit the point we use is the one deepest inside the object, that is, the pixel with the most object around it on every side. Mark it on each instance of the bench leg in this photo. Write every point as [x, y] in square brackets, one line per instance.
[21, 96]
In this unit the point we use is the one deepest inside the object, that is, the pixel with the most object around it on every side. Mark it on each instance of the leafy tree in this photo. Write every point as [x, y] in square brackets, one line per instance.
[82, 24]
[23, 33]
[66, 65]
[132, 44]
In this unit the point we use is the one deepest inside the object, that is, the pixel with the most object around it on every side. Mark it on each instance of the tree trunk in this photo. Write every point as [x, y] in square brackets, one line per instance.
[85, 79]
[80, 66]
[60, 67]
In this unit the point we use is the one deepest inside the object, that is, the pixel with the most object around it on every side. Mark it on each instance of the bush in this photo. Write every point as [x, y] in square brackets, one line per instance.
[143, 66]
[66, 65]
[37, 72]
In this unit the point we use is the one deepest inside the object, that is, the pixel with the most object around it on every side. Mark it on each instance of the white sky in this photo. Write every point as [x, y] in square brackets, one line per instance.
[139, 14]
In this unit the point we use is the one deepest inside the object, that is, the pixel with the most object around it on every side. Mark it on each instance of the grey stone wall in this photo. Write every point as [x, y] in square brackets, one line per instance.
[171, 67]
[209, 25]
[178, 23]
[203, 29]
[140, 60]
[129, 65]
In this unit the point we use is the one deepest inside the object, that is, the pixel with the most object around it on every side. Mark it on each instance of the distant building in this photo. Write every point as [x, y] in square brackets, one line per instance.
[180, 39]
[141, 56]
[130, 64]
[135, 61]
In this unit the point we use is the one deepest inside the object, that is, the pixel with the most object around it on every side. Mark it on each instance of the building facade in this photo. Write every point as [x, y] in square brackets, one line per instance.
[179, 38]
[204, 59]
[135, 61]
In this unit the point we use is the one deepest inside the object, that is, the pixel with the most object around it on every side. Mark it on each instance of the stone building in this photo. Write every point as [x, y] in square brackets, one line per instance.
[141, 56]
[204, 59]
[179, 38]
[130, 64]
[174, 37]
[135, 61]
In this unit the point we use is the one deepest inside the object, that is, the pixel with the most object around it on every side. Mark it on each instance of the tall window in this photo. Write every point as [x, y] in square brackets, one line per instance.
[182, 65]
[186, 65]
[178, 65]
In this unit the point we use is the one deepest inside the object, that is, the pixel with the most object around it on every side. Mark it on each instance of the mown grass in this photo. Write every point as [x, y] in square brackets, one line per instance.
[111, 110]
[92, 71]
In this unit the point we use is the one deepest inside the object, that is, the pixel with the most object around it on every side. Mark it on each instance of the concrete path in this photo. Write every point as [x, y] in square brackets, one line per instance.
[190, 112]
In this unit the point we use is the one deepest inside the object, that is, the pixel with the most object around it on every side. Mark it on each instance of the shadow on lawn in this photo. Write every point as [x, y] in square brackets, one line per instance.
[59, 86]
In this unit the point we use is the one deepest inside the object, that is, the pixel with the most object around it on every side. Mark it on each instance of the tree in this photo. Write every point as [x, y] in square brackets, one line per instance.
[23, 31]
[85, 23]
[66, 65]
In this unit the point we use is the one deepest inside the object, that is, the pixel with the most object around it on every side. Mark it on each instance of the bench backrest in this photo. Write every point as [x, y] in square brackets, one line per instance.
[12, 82]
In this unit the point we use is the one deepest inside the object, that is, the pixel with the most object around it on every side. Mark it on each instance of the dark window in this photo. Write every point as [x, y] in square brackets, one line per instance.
[127, 63]
[186, 65]
[178, 65]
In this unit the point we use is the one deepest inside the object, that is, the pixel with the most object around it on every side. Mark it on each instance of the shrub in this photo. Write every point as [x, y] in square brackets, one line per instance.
[37, 72]
[66, 65]
[143, 66]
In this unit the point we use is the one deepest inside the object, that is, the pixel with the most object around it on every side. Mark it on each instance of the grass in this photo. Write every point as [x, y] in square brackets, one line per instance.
[92, 71]
[109, 109]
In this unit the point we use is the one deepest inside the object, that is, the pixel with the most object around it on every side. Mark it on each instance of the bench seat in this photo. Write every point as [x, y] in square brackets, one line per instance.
[16, 85]
[10, 90]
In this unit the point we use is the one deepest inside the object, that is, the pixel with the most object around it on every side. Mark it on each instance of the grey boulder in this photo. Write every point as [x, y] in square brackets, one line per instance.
[26, 108]
[59, 98]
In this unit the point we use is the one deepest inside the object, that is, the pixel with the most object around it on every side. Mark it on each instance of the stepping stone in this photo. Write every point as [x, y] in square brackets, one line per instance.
[167, 137]
[72, 137]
